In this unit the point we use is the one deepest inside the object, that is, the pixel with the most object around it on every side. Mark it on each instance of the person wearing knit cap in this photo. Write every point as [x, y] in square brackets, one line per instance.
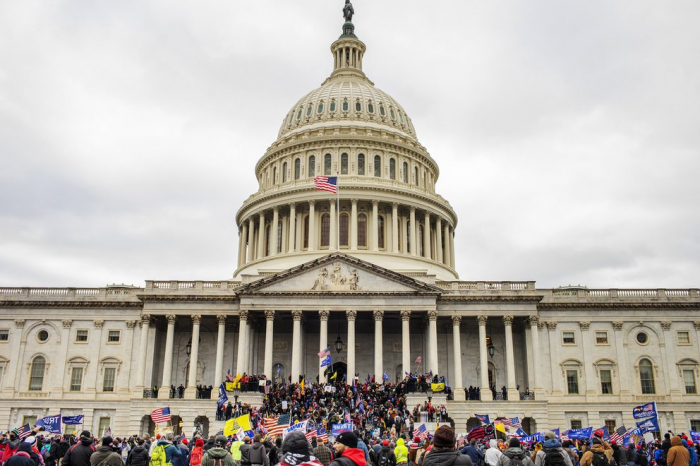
[21, 457]
[514, 451]
[347, 453]
[296, 451]
[80, 453]
[105, 454]
[385, 456]
[197, 453]
[443, 452]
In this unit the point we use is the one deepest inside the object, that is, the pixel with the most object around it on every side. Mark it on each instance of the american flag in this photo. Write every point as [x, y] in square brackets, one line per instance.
[24, 431]
[327, 183]
[617, 435]
[419, 359]
[324, 353]
[511, 422]
[161, 415]
[322, 434]
[421, 432]
[311, 434]
[276, 425]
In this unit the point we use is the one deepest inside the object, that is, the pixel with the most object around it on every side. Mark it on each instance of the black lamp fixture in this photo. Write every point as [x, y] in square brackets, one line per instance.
[491, 350]
[338, 344]
[188, 347]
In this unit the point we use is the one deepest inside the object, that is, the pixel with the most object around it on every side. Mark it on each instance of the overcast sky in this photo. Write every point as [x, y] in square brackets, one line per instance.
[567, 133]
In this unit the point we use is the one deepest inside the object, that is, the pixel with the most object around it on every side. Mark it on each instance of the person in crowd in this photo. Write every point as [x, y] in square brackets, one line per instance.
[21, 457]
[619, 454]
[184, 458]
[493, 454]
[138, 456]
[596, 453]
[245, 451]
[514, 455]
[401, 452]
[296, 451]
[80, 453]
[323, 453]
[552, 453]
[385, 456]
[197, 453]
[218, 456]
[105, 454]
[474, 453]
[257, 455]
[236, 450]
[443, 452]
[171, 451]
[678, 454]
[347, 453]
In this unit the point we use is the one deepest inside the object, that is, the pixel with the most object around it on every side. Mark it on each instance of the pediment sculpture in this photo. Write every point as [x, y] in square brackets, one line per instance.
[336, 279]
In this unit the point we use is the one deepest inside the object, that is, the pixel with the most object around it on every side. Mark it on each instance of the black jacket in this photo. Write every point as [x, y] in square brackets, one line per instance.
[439, 457]
[79, 454]
[138, 456]
[19, 460]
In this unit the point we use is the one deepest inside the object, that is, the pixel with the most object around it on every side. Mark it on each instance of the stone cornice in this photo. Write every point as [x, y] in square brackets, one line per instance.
[489, 299]
[187, 297]
[71, 303]
[620, 305]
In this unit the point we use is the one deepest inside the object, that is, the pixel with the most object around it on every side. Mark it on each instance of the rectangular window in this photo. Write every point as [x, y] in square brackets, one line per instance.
[569, 338]
[114, 336]
[683, 338]
[601, 338]
[572, 382]
[108, 383]
[31, 420]
[81, 336]
[104, 425]
[606, 382]
[689, 380]
[576, 424]
[611, 425]
[4, 334]
[76, 379]
[695, 424]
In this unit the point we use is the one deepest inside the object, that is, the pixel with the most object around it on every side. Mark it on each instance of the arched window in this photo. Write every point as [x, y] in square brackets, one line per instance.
[279, 236]
[646, 376]
[284, 172]
[268, 238]
[344, 164]
[36, 374]
[309, 109]
[377, 166]
[325, 230]
[320, 107]
[415, 175]
[380, 232]
[343, 220]
[306, 232]
[327, 164]
[362, 230]
[405, 172]
[358, 105]
[419, 240]
[274, 175]
[312, 166]
[392, 169]
[297, 169]
[360, 164]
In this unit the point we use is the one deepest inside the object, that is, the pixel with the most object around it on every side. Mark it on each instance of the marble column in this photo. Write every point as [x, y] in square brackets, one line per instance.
[457, 383]
[406, 341]
[432, 342]
[323, 341]
[296, 345]
[261, 236]
[352, 316]
[164, 391]
[251, 233]
[274, 236]
[269, 337]
[143, 351]
[446, 230]
[486, 394]
[395, 228]
[333, 228]
[511, 386]
[588, 368]
[438, 240]
[452, 248]
[353, 224]
[220, 337]
[553, 358]
[312, 228]
[671, 365]
[375, 225]
[242, 241]
[242, 342]
[292, 226]
[536, 363]
[191, 389]
[426, 236]
[378, 350]
[412, 229]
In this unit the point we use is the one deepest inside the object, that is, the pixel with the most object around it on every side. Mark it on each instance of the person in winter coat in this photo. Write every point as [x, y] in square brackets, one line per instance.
[474, 453]
[631, 455]
[493, 454]
[296, 451]
[596, 448]
[443, 452]
[211, 441]
[552, 447]
[257, 454]
[184, 458]
[235, 451]
[105, 455]
[678, 454]
[401, 453]
[385, 456]
[197, 453]
[346, 451]
[619, 454]
[22, 456]
[171, 451]
[218, 454]
[80, 453]
[11, 446]
[138, 456]
[245, 451]
[514, 451]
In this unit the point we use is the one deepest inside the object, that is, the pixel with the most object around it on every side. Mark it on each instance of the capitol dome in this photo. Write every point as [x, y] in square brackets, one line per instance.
[386, 210]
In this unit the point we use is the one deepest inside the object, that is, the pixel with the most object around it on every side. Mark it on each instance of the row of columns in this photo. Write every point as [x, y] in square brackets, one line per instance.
[351, 315]
[252, 240]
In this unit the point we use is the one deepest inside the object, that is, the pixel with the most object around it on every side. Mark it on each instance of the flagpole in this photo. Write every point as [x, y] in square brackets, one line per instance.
[337, 210]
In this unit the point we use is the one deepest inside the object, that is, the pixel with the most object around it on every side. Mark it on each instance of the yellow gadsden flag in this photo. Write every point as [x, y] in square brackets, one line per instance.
[437, 387]
[232, 425]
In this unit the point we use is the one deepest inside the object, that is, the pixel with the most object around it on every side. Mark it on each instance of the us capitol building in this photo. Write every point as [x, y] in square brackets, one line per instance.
[370, 274]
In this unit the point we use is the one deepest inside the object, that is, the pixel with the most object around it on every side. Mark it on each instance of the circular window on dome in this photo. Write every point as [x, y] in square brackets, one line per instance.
[642, 338]
[42, 336]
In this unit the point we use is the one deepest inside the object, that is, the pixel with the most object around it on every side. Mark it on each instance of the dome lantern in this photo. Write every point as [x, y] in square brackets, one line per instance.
[348, 50]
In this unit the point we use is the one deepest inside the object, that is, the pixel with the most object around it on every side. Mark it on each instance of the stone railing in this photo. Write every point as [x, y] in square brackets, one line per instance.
[61, 293]
[198, 285]
[614, 293]
[487, 286]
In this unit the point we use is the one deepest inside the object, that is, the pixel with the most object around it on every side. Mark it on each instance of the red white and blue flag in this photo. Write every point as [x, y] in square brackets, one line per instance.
[421, 432]
[327, 183]
[24, 431]
[161, 415]
[324, 353]
[310, 434]
[322, 434]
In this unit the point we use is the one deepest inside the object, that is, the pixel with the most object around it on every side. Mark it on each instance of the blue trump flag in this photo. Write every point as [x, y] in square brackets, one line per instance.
[483, 418]
[580, 434]
[73, 420]
[644, 411]
[648, 425]
[223, 398]
[51, 424]
[326, 362]
[337, 429]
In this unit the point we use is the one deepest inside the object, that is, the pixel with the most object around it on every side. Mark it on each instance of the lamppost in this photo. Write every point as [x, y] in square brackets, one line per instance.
[338, 349]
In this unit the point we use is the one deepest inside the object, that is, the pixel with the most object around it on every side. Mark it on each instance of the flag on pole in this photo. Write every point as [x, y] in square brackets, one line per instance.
[324, 353]
[311, 434]
[421, 432]
[24, 431]
[73, 420]
[419, 359]
[161, 415]
[327, 183]
[618, 434]
[483, 418]
[322, 434]
[326, 361]
[482, 432]
[333, 377]
[386, 377]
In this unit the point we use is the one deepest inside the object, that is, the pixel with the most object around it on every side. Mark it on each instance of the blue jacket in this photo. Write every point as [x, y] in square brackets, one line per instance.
[171, 451]
[476, 455]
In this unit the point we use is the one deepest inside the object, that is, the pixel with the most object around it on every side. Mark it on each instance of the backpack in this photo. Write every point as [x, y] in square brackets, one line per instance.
[516, 461]
[196, 456]
[383, 458]
[599, 459]
[554, 457]
[158, 457]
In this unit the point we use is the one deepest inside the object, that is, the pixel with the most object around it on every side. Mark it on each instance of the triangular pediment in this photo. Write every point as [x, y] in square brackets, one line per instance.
[338, 273]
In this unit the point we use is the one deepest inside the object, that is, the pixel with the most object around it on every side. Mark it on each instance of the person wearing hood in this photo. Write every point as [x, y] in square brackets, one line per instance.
[493, 454]
[138, 456]
[347, 453]
[197, 453]
[235, 450]
[184, 459]
[597, 448]
[551, 451]
[362, 446]
[401, 452]
[514, 452]
[218, 454]
[257, 454]
[443, 452]
[678, 454]
[11, 446]
[296, 451]
[474, 453]
[105, 455]
[619, 454]
[211, 441]
[80, 453]
[22, 456]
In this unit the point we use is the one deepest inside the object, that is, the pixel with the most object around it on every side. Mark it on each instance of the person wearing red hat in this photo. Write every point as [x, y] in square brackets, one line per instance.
[385, 456]
[197, 453]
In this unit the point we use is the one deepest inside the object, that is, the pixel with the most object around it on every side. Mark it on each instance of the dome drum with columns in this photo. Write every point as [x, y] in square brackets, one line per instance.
[388, 212]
